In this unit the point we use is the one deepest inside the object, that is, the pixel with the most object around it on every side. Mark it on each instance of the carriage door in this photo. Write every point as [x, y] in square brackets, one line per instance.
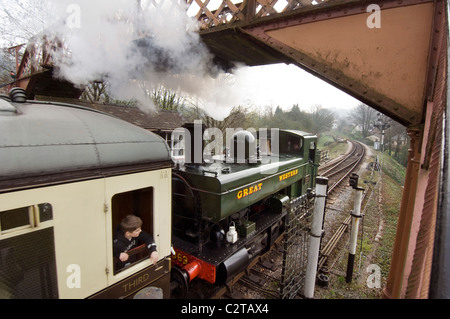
[139, 203]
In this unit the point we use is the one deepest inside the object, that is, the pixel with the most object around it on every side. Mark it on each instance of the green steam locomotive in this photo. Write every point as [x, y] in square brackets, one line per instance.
[230, 207]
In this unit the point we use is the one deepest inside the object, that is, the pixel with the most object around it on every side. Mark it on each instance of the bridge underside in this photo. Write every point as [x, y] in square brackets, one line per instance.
[385, 67]
[399, 69]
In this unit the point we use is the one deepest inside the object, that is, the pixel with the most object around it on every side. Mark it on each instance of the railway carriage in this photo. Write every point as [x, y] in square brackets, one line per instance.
[68, 175]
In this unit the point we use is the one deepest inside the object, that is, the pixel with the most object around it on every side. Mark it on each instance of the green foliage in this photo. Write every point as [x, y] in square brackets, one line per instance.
[315, 122]
[393, 169]
[392, 195]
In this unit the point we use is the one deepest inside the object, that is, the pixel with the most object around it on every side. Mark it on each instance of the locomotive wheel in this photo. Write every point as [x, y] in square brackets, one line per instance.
[179, 283]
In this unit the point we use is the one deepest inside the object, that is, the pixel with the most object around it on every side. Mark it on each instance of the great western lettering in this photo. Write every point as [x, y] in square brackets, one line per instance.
[249, 190]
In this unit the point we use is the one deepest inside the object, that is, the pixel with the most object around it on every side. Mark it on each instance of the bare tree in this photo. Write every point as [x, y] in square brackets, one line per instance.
[94, 92]
[6, 66]
[239, 117]
[322, 119]
[169, 100]
[396, 137]
[19, 21]
[364, 115]
[22, 19]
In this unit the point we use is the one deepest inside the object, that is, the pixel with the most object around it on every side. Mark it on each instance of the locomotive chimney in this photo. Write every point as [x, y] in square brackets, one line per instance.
[194, 142]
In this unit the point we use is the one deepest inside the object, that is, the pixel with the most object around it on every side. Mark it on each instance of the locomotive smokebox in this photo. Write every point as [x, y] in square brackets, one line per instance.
[277, 202]
[232, 266]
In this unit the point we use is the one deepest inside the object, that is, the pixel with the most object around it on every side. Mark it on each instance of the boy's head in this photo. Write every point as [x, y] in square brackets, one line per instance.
[131, 224]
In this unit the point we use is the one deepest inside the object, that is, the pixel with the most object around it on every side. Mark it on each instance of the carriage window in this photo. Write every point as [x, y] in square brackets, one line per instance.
[25, 217]
[14, 218]
[139, 203]
[27, 258]
[28, 266]
[177, 145]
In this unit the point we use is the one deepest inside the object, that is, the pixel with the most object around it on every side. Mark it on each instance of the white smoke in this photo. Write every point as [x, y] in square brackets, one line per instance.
[101, 37]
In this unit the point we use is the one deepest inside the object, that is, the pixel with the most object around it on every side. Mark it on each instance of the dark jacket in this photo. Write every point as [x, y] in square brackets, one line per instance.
[122, 245]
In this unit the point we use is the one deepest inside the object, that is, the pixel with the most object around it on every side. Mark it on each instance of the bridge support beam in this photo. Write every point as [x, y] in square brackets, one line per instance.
[416, 251]
[399, 257]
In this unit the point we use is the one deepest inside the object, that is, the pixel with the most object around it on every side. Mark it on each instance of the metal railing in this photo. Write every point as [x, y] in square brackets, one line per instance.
[295, 247]
[210, 15]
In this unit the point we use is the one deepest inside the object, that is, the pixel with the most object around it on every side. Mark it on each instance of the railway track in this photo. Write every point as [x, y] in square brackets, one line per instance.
[334, 240]
[337, 172]
[261, 278]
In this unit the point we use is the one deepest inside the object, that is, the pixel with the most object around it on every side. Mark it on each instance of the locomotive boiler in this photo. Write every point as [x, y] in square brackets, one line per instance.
[231, 207]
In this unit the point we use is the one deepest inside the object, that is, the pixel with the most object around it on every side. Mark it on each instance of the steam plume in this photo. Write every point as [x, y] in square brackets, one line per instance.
[127, 42]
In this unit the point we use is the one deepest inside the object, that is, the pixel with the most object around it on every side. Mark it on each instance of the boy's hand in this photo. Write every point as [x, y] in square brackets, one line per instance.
[154, 257]
[123, 257]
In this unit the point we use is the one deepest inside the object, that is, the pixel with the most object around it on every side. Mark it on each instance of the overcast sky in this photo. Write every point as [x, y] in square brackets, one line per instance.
[285, 85]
